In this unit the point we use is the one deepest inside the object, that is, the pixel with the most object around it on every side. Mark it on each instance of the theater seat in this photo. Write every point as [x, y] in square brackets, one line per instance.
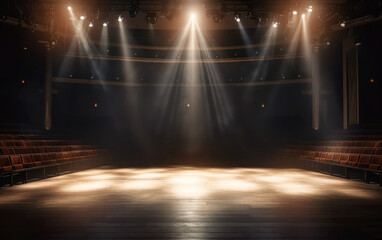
[27, 161]
[337, 158]
[329, 158]
[5, 163]
[16, 162]
[376, 162]
[321, 157]
[364, 161]
[345, 158]
[36, 158]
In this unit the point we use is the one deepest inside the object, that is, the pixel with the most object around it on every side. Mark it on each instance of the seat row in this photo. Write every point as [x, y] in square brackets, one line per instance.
[345, 149]
[21, 137]
[365, 161]
[26, 143]
[350, 143]
[9, 163]
[42, 149]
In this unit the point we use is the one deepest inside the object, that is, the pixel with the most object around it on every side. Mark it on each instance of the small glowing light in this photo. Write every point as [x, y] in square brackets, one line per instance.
[104, 24]
[303, 15]
[82, 17]
[119, 19]
[25, 48]
[188, 105]
[274, 25]
[90, 24]
[343, 24]
[310, 10]
[193, 16]
[237, 17]
[372, 80]
[95, 105]
[23, 81]
[294, 12]
[69, 8]
[262, 106]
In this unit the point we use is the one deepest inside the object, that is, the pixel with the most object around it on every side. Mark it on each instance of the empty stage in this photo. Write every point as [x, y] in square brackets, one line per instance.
[191, 203]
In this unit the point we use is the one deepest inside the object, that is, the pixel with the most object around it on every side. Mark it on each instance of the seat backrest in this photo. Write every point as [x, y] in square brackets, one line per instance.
[376, 160]
[354, 158]
[345, 157]
[329, 156]
[5, 161]
[365, 159]
[36, 157]
[26, 159]
[16, 159]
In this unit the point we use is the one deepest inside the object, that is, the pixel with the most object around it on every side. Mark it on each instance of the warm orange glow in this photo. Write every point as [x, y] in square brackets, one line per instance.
[372, 80]
[262, 105]
[95, 105]
[22, 81]
[260, 186]
[25, 48]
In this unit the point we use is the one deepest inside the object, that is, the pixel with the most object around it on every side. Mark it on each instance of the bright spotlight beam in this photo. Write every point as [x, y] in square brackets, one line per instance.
[193, 16]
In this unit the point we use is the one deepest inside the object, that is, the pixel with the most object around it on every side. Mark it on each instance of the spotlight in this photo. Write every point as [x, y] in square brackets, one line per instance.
[310, 9]
[294, 12]
[237, 17]
[274, 25]
[82, 17]
[105, 24]
[90, 24]
[303, 15]
[69, 8]
[120, 18]
[327, 42]
[192, 16]
[343, 24]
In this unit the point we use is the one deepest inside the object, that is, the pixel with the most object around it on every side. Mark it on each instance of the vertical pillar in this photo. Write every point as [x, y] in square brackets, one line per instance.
[344, 87]
[48, 88]
[315, 88]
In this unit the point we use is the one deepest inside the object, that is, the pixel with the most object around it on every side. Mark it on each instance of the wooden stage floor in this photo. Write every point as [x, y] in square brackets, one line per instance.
[192, 203]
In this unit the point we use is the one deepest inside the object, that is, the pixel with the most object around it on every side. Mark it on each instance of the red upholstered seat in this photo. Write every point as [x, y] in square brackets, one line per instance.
[36, 158]
[364, 161]
[353, 160]
[16, 162]
[321, 157]
[368, 150]
[337, 158]
[329, 157]
[27, 161]
[376, 162]
[345, 158]
[5, 163]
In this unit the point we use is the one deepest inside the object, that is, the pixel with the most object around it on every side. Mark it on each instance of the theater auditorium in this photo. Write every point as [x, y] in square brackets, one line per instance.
[190, 119]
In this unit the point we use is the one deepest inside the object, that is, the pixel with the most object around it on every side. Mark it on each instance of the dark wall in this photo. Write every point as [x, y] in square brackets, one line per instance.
[21, 76]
